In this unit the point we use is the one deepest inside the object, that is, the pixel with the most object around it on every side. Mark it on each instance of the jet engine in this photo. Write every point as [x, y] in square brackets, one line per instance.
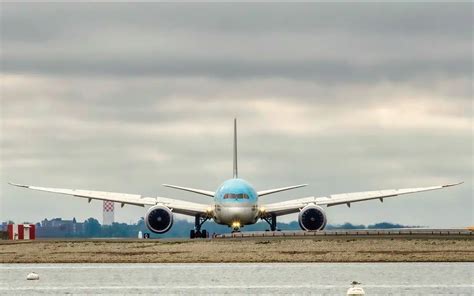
[312, 218]
[159, 219]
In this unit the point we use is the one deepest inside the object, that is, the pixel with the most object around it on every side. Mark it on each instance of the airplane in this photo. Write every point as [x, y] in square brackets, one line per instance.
[235, 203]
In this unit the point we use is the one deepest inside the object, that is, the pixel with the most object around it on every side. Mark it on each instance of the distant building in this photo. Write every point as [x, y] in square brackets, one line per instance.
[21, 231]
[58, 227]
[108, 213]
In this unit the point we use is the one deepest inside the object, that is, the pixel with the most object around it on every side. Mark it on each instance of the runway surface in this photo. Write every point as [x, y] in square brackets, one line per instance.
[373, 233]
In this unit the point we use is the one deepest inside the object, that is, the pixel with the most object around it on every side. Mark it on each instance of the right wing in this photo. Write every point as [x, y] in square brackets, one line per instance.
[295, 205]
[177, 206]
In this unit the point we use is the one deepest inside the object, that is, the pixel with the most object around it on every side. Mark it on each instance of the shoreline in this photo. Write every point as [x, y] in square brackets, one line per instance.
[249, 250]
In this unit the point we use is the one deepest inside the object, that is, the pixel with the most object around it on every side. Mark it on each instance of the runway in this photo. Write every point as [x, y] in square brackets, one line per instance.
[373, 233]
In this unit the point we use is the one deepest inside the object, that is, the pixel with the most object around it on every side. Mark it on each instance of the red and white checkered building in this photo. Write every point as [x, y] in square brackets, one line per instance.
[108, 213]
[21, 231]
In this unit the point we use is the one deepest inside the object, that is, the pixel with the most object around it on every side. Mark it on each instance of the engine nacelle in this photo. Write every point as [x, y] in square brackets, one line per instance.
[159, 219]
[312, 218]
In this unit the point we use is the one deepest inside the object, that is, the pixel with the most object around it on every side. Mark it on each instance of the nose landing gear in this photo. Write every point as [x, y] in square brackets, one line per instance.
[196, 232]
[235, 226]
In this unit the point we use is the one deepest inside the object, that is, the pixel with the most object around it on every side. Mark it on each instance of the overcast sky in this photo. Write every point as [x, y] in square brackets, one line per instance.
[124, 98]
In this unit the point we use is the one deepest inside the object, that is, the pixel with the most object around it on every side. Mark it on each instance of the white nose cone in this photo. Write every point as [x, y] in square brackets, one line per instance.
[32, 276]
[355, 291]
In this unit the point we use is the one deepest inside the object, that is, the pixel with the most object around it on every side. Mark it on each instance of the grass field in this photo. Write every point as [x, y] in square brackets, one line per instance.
[319, 249]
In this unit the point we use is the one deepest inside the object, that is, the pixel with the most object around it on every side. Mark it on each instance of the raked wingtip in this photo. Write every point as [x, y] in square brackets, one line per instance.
[17, 185]
[453, 184]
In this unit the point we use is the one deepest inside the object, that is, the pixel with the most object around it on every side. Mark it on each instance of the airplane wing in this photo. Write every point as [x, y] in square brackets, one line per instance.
[177, 206]
[294, 206]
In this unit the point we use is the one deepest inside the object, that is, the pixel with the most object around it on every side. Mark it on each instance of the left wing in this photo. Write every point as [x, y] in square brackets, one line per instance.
[294, 206]
[177, 206]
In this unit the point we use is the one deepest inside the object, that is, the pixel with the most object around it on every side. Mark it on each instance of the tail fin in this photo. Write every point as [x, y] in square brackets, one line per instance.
[236, 174]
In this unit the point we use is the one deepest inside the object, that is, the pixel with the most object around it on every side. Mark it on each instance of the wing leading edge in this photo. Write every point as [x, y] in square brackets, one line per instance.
[294, 206]
[177, 206]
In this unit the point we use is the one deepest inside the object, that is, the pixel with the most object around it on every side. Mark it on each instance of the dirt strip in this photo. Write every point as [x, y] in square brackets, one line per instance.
[247, 250]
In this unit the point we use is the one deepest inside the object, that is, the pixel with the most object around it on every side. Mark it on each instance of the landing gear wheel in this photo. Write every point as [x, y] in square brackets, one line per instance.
[196, 232]
[273, 226]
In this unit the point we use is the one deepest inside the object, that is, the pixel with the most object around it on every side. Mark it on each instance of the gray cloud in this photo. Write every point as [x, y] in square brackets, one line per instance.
[126, 97]
[328, 43]
[430, 18]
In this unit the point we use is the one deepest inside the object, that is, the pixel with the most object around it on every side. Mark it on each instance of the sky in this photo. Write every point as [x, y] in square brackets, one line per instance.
[344, 97]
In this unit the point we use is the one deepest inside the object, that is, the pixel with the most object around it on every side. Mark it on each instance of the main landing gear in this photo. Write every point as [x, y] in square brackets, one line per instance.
[197, 232]
[272, 221]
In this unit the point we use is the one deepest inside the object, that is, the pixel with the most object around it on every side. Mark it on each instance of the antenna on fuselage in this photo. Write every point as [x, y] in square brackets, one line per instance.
[236, 174]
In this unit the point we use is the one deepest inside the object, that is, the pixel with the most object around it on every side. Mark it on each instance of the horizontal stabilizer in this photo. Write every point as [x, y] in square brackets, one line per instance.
[270, 191]
[198, 191]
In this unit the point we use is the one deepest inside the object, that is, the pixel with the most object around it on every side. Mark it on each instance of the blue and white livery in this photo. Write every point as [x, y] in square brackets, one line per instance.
[235, 203]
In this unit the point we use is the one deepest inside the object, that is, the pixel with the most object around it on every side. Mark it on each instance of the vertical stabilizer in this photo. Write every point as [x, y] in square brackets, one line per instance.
[236, 175]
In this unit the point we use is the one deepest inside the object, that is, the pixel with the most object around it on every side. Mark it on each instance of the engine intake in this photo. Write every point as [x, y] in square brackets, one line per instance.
[312, 218]
[159, 219]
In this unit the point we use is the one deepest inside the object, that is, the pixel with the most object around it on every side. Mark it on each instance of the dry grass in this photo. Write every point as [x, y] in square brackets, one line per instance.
[256, 250]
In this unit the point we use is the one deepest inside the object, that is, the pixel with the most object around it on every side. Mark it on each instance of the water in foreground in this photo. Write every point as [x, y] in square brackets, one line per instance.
[240, 278]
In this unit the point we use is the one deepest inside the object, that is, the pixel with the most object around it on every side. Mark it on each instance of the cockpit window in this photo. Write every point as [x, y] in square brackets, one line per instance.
[236, 196]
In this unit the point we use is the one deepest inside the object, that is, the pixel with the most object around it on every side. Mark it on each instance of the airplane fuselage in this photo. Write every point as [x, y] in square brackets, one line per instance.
[236, 204]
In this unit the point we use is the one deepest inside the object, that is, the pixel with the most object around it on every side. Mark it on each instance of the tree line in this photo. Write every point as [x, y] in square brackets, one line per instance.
[181, 228]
